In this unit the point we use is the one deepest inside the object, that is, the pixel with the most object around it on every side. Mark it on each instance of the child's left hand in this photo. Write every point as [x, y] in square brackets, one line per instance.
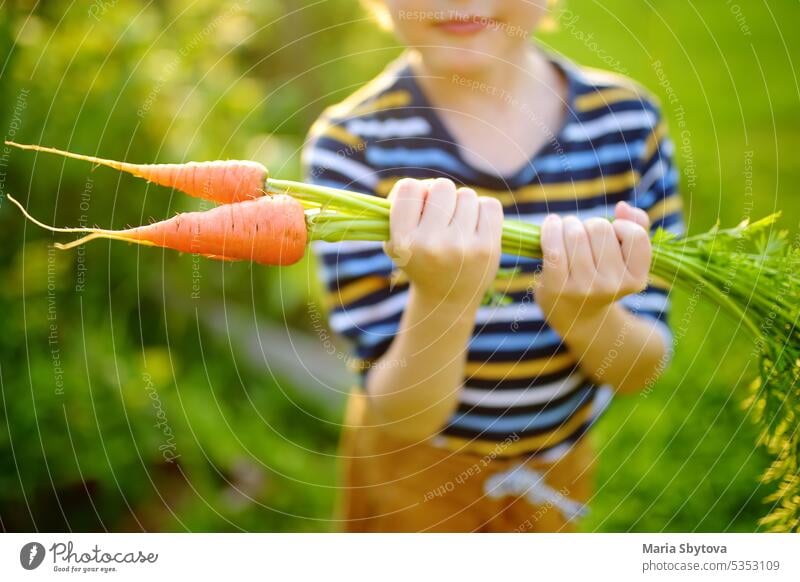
[589, 265]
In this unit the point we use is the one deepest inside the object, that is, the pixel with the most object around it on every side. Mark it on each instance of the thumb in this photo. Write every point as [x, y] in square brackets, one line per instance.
[625, 211]
[399, 253]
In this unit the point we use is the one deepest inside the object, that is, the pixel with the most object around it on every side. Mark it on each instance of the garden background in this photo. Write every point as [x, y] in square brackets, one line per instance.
[144, 389]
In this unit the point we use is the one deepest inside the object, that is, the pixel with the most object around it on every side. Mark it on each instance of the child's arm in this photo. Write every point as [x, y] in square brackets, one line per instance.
[587, 268]
[448, 243]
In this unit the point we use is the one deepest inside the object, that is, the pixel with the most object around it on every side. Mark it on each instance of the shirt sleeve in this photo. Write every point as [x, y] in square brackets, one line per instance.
[657, 194]
[363, 297]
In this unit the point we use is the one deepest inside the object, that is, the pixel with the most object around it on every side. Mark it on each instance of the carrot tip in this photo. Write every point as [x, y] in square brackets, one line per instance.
[75, 243]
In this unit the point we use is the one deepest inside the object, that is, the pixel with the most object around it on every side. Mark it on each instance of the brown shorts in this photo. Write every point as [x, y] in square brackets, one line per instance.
[391, 485]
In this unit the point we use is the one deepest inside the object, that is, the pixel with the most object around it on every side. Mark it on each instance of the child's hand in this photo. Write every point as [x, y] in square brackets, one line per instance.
[590, 265]
[447, 240]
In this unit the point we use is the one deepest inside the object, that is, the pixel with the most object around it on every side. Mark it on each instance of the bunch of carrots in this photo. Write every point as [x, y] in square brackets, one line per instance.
[750, 271]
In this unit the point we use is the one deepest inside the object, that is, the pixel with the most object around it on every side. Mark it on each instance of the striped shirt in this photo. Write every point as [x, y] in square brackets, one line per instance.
[523, 391]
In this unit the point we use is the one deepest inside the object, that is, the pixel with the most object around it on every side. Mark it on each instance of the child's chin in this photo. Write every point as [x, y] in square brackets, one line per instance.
[458, 61]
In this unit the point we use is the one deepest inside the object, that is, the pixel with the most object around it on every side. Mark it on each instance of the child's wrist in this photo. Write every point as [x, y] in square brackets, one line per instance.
[569, 319]
[449, 308]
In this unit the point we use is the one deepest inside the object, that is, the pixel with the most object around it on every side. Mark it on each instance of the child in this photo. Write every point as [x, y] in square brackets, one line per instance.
[472, 416]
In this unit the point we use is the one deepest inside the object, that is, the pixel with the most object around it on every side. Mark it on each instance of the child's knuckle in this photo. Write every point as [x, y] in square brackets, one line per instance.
[640, 236]
[466, 193]
[552, 257]
[451, 246]
[601, 288]
[406, 187]
[492, 204]
[438, 246]
[481, 250]
[423, 245]
[573, 236]
[491, 209]
[634, 283]
[442, 185]
[597, 226]
[573, 291]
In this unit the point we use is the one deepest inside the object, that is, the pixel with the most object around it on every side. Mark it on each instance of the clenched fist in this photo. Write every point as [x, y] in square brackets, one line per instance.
[446, 239]
[589, 265]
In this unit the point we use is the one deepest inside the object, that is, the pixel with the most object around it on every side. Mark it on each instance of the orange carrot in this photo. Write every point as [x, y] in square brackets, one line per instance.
[270, 230]
[221, 181]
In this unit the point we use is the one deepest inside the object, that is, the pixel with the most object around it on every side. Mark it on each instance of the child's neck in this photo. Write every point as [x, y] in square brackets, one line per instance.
[520, 74]
[501, 117]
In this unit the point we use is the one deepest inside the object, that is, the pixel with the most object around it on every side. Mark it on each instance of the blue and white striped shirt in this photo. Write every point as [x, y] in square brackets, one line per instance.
[523, 393]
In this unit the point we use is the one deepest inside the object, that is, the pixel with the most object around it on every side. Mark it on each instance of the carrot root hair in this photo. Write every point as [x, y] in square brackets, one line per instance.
[99, 233]
[91, 233]
[41, 224]
[221, 181]
[117, 165]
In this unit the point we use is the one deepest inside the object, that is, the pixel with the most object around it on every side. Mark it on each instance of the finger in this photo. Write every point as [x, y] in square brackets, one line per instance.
[579, 251]
[606, 249]
[490, 218]
[554, 255]
[625, 211]
[465, 217]
[408, 199]
[440, 204]
[636, 249]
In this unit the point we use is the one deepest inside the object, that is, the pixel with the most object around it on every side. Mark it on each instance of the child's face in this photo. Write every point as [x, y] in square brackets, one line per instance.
[463, 36]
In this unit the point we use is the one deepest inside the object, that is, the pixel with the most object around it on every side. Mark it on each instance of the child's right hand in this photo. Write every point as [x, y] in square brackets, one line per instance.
[447, 240]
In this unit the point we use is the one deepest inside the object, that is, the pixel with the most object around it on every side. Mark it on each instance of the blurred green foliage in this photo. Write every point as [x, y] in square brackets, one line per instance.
[109, 365]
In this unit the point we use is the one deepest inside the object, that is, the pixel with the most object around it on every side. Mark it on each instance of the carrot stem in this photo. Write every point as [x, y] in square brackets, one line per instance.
[333, 197]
